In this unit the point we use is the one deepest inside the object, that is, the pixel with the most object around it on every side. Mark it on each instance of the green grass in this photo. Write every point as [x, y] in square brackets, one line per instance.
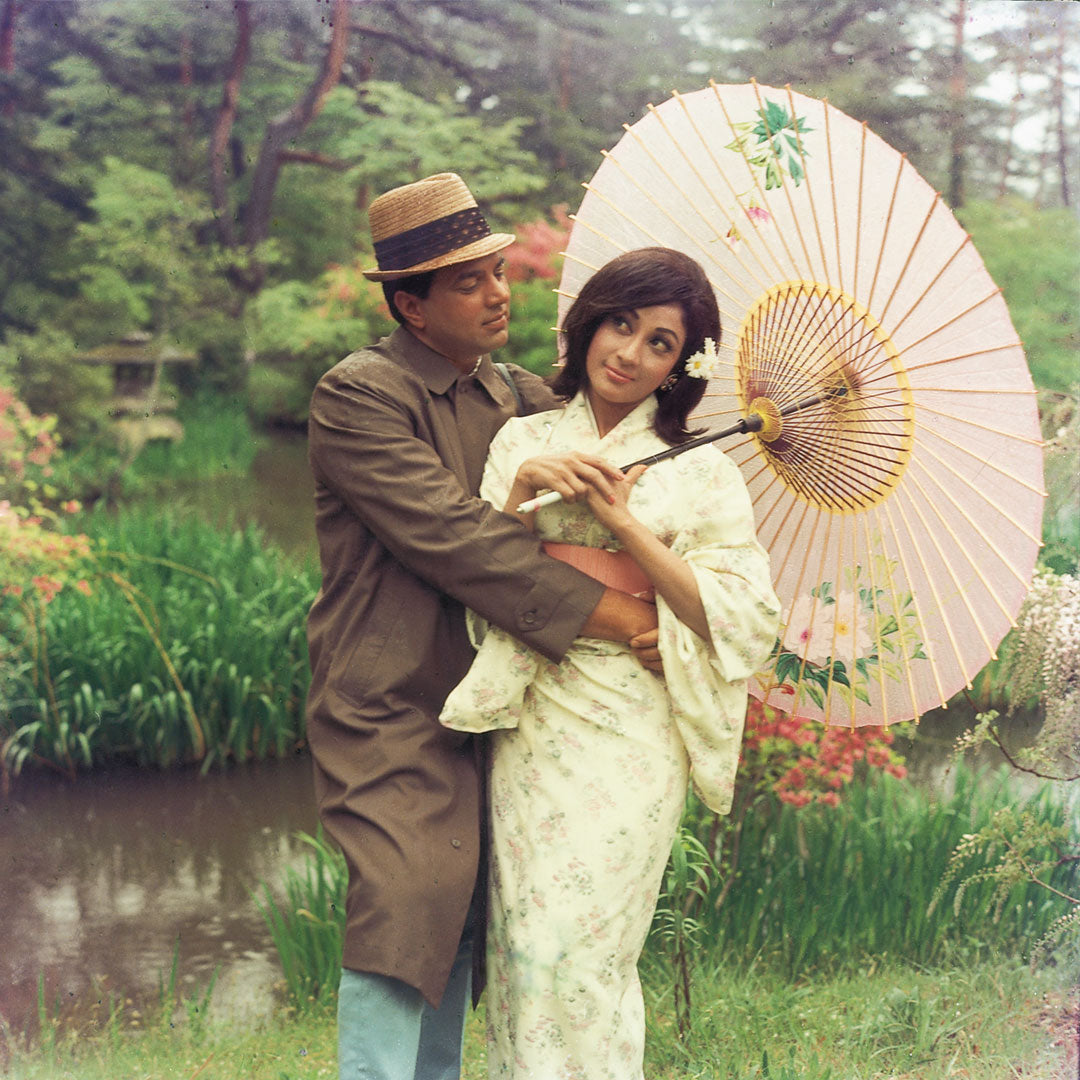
[218, 439]
[192, 647]
[885, 1021]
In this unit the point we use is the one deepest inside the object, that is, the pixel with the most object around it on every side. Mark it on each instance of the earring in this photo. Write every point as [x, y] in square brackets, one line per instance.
[669, 382]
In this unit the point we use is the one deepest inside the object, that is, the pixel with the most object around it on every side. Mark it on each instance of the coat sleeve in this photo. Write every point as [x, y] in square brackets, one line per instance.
[364, 446]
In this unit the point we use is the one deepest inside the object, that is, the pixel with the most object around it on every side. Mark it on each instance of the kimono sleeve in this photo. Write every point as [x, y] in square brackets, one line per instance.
[492, 694]
[706, 680]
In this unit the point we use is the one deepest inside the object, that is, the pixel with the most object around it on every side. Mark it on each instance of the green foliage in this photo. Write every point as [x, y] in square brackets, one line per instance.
[218, 440]
[808, 892]
[300, 331]
[40, 369]
[1014, 849]
[388, 151]
[1061, 453]
[1034, 257]
[139, 264]
[310, 931]
[192, 647]
[686, 886]
[818, 890]
[533, 311]
[884, 1019]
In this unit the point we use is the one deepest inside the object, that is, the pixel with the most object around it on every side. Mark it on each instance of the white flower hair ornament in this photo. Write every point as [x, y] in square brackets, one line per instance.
[702, 365]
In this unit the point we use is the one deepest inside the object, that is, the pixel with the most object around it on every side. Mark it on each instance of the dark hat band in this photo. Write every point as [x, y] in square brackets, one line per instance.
[430, 240]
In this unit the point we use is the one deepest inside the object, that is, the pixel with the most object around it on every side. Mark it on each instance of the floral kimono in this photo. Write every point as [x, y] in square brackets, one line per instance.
[591, 757]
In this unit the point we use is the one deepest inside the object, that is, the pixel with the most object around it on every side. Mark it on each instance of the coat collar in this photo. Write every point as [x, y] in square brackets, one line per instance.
[437, 373]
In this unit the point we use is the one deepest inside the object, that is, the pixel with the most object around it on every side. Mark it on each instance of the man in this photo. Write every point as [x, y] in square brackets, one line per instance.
[399, 434]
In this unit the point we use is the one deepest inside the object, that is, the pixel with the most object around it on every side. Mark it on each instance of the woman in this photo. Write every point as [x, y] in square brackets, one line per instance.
[591, 757]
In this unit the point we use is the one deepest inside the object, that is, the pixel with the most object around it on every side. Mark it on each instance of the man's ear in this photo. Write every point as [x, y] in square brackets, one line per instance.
[411, 309]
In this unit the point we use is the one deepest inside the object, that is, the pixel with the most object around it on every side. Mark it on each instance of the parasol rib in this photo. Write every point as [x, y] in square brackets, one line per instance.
[783, 184]
[927, 641]
[932, 584]
[806, 179]
[992, 592]
[885, 231]
[832, 192]
[701, 246]
[720, 172]
[961, 590]
[986, 499]
[757, 187]
[982, 461]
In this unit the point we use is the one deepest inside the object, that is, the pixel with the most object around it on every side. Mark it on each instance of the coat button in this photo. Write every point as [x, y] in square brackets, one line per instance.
[529, 617]
[455, 842]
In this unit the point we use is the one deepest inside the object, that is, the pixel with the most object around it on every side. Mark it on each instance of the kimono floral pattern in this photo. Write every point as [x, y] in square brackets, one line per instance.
[591, 757]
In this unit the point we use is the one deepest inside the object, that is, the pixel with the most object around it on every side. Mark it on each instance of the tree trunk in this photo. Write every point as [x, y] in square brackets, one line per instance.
[186, 139]
[957, 89]
[1059, 108]
[219, 139]
[1014, 118]
[284, 129]
[7, 50]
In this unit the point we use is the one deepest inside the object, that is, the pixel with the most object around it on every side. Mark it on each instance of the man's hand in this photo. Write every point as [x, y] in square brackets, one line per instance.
[619, 617]
[646, 648]
[622, 617]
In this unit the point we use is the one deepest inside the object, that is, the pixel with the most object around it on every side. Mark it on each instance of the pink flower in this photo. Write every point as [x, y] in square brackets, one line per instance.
[758, 214]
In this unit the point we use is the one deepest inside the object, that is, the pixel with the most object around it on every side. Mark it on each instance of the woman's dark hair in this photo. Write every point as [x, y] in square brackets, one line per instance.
[644, 278]
[419, 285]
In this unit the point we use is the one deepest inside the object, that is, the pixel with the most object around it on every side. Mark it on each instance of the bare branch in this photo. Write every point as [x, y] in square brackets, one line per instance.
[415, 46]
[312, 157]
[287, 127]
[219, 139]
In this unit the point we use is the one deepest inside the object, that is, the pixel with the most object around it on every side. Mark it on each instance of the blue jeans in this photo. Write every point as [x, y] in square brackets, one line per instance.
[387, 1031]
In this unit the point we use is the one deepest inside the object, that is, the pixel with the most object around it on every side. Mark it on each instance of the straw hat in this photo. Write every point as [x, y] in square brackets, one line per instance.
[431, 223]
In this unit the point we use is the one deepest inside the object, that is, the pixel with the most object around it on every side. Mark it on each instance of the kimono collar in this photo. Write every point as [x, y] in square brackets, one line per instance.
[632, 429]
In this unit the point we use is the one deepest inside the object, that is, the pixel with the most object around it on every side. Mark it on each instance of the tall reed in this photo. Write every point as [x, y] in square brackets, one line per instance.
[191, 647]
[309, 929]
[819, 887]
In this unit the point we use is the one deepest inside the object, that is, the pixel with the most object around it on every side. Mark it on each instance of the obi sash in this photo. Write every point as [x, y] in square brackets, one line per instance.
[616, 569]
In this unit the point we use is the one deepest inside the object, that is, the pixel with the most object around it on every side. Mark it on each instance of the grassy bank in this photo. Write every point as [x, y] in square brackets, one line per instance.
[886, 1021]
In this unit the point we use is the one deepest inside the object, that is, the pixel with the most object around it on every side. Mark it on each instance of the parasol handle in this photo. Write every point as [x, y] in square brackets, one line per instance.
[754, 422]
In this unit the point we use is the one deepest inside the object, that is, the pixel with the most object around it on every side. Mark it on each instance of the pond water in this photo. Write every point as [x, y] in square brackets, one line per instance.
[277, 495]
[104, 877]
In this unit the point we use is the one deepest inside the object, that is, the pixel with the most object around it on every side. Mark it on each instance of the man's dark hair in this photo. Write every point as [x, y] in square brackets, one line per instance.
[644, 278]
[418, 285]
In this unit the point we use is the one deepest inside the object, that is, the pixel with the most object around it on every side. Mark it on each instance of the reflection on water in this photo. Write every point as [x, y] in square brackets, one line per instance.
[104, 877]
[277, 495]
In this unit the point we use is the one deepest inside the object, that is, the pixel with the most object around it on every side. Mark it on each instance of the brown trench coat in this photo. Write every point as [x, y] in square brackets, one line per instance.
[397, 445]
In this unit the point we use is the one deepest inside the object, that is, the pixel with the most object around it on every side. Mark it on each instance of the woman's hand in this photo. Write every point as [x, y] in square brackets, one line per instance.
[613, 512]
[574, 476]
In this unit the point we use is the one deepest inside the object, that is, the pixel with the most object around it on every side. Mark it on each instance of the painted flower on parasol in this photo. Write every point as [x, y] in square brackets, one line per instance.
[890, 438]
